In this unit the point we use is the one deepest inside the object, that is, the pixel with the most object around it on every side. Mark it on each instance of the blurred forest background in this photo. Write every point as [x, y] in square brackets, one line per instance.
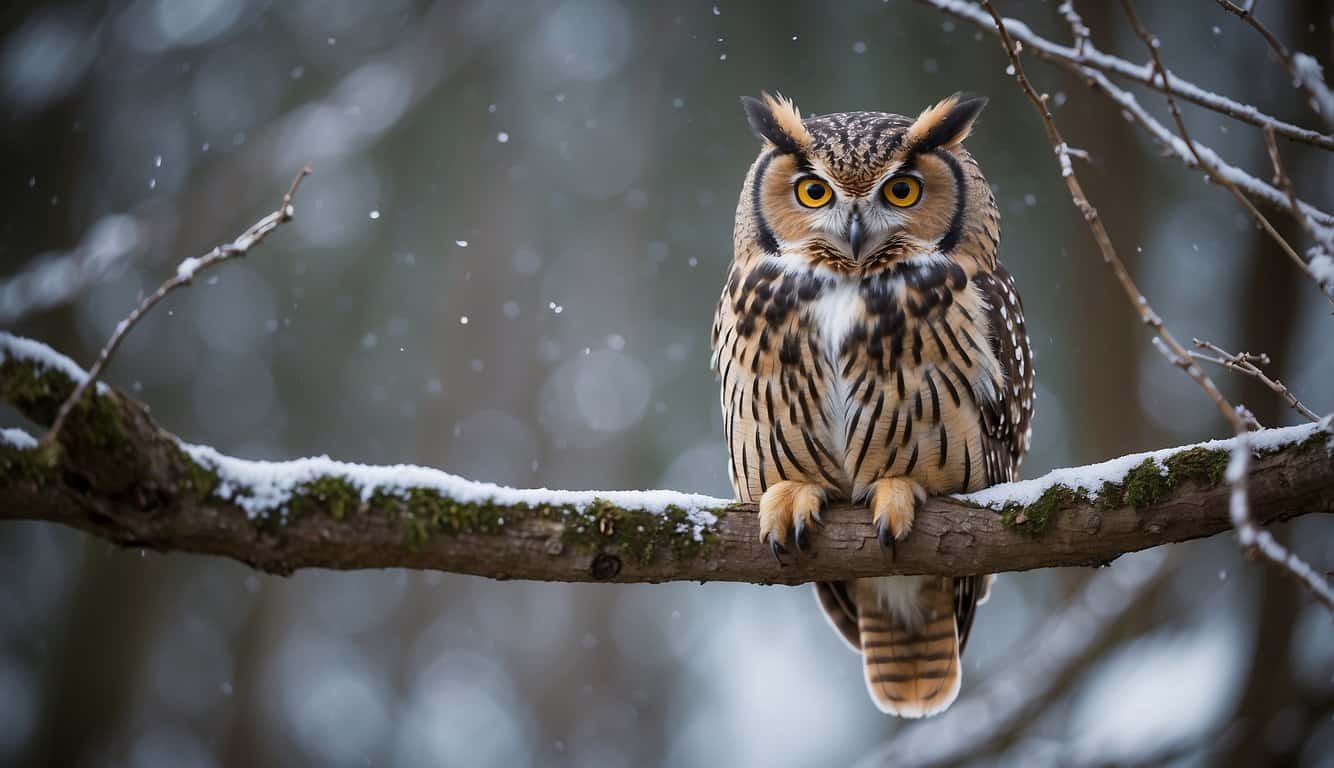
[505, 265]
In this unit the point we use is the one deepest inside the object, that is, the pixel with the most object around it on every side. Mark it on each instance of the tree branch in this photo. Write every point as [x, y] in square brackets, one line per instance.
[1088, 68]
[116, 474]
[185, 274]
[1086, 56]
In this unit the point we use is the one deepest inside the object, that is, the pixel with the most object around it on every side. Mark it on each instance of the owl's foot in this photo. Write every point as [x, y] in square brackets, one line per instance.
[894, 503]
[789, 505]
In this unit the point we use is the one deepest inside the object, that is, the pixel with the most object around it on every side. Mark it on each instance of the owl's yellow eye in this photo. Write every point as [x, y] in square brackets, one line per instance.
[902, 191]
[813, 193]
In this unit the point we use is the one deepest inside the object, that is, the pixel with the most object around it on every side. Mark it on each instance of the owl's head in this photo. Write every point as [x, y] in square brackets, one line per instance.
[859, 192]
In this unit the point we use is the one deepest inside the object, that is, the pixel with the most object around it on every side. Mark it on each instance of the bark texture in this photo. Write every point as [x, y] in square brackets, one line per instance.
[117, 475]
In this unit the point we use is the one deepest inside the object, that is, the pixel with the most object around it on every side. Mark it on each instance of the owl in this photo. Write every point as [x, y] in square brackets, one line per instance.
[871, 348]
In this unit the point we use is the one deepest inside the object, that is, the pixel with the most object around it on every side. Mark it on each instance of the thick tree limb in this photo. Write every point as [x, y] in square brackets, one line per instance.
[116, 474]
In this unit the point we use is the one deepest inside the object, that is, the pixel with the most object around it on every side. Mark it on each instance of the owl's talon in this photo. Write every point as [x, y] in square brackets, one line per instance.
[894, 504]
[886, 539]
[789, 505]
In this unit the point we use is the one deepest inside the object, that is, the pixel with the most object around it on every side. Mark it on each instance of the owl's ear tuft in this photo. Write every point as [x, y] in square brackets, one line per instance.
[946, 124]
[778, 121]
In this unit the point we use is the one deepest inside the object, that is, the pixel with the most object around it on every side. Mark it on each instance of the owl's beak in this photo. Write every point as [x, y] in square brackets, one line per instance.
[856, 234]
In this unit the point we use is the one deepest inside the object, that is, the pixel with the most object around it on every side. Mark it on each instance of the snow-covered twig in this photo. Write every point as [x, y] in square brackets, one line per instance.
[1305, 70]
[121, 477]
[1165, 342]
[1245, 362]
[1087, 70]
[1094, 59]
[185, 273]
[1319, 265]
[1255, 539]
[55, 278]
[1215, 174]
[1175, 147]
[1078, 29]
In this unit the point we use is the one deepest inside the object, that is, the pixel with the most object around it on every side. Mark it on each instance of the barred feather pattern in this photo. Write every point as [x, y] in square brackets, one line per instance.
[916, 364]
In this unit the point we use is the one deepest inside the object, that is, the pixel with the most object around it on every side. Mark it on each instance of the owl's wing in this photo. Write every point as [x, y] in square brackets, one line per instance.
[1005, 417]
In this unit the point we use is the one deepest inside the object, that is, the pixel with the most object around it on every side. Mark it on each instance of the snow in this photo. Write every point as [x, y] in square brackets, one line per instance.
[1103, 62]
[186, 269]
[1063, 154]
[1237, 467]
[1310, 77]
[1249, 535]
[18, 438]
[1177, 146]
[263, 486]
[1090, 478]
[19, 348]
[1322, 268]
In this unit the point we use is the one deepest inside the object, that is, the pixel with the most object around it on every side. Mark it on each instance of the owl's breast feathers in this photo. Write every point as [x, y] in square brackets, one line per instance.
[921, 370]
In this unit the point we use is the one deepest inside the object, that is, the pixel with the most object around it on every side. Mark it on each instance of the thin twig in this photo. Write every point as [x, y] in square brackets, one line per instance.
[185, 273]
[1078, 29]
[1095, 59]
[1281, 51]
[1323, 236]
[1133, 111]
[1094, 77]
[1164, 341]
[1160, 72]
[1245, 362]
[1240, 419]
[1259, 542]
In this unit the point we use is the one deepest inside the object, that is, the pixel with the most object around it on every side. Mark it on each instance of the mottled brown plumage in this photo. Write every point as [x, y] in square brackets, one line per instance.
[872, 348]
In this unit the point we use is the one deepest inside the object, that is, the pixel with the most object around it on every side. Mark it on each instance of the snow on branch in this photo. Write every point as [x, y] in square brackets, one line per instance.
[1211, 169]
[1087, 57]
[1092, 67]
[1239, 418]
[1305, 70]
[116, 474]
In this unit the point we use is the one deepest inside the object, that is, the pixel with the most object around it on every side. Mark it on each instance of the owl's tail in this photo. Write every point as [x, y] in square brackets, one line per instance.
[910, 646]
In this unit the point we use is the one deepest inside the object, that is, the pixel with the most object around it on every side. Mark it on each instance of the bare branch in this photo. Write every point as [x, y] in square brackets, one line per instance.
[1261, 542]
[185, 273]
[1133, 111]
[1093, 59]
[1245, 362]
[1242, 420]
[116, 474]
[1215, 175]
[1323, 236]
[1078, 30]
[1299, 78]
[1164, 341]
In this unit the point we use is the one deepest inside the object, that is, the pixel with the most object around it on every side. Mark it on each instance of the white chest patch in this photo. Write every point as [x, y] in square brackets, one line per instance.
[835, 311]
